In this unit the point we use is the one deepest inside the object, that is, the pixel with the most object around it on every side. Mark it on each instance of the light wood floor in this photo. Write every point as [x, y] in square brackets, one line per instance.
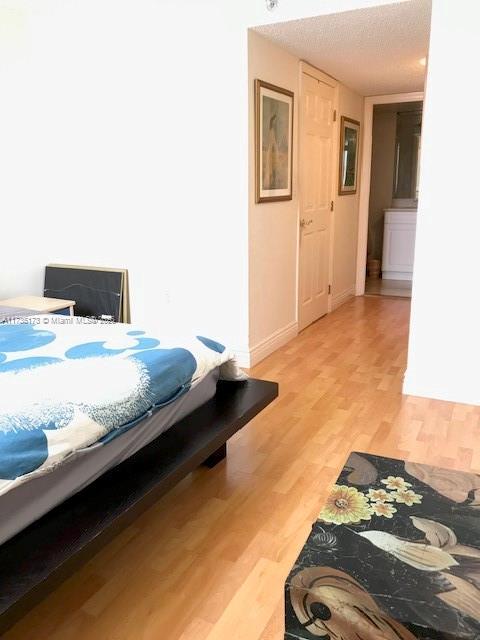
[381, 287]
[208, 561]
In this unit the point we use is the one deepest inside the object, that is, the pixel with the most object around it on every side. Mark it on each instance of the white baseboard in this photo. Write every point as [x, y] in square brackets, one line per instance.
[451, 390]
[397, 275]
[341, 298]
[265, 347]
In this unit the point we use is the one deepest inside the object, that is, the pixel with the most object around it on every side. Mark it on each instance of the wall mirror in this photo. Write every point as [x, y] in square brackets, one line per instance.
[349, 144]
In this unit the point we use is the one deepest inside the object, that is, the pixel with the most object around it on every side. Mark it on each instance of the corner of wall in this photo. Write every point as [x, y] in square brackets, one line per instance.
[273, 342]
[453, 390]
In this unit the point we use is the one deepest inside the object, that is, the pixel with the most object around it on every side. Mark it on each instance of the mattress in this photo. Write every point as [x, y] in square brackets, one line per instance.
[27, 502]
[67, 383]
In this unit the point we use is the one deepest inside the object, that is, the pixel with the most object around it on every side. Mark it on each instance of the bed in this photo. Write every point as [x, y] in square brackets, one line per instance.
[72, 472]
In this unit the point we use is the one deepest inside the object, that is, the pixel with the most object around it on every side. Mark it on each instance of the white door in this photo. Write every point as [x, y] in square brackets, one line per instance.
[316, 167]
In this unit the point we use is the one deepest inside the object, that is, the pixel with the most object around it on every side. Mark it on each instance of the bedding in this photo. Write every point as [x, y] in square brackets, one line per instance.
[69, 383]
[28, 501]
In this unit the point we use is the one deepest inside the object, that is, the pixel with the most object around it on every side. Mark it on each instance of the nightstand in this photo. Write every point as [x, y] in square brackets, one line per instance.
[38, 304]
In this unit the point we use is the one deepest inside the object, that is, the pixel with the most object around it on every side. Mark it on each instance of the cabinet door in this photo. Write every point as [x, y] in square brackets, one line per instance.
[398, 250]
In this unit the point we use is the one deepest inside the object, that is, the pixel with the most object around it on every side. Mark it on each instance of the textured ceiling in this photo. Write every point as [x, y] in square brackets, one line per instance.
[373, 51]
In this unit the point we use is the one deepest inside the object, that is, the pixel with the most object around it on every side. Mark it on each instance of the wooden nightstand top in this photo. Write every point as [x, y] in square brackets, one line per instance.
[38, 303]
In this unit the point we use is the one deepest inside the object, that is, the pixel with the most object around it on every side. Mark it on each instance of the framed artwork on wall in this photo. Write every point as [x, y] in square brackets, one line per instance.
[349, 147]
[273, 142]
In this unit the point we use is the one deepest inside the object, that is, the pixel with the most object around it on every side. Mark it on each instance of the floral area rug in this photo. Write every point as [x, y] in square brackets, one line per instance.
[394, 555]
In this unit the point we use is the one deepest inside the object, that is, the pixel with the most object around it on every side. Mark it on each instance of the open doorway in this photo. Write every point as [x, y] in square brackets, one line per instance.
[394, 186]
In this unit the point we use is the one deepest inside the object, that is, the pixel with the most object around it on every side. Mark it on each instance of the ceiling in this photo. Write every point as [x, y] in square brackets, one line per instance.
[374, 51]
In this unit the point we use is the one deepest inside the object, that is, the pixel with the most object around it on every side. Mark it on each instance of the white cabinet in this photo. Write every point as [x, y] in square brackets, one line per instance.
[398, 244]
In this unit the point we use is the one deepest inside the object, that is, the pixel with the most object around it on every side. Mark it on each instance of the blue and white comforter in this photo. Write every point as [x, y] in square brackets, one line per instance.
[66, 384]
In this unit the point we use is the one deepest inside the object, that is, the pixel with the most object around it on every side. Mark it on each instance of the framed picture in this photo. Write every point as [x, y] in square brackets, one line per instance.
[349, 146]
[273, 142]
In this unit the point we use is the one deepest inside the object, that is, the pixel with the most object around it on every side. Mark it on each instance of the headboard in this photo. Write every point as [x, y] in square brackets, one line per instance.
[98, 292]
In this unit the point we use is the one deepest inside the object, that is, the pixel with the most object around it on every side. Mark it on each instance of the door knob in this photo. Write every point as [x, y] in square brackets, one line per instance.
[305, 223]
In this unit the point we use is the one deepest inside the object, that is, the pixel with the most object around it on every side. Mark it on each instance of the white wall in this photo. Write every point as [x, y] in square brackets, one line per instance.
[124, 142]
[444, 349]
[273, 226]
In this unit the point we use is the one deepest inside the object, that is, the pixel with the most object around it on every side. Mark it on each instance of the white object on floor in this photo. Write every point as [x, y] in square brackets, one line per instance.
[399, 244]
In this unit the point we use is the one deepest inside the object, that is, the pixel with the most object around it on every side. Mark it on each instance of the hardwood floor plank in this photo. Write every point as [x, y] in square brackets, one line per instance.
[208, 561]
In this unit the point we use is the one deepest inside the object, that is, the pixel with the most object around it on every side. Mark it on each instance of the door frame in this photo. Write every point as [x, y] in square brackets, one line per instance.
[305, 67]
[365, 177]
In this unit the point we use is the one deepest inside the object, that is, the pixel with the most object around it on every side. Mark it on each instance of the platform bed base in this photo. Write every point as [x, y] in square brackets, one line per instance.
[38, 559]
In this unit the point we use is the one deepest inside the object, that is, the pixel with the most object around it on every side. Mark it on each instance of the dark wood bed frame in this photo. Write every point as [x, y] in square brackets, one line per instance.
[39, 558]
